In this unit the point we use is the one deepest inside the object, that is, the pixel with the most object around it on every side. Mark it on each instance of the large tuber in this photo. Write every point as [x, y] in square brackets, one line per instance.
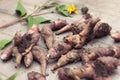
[71, 56]
[58, 49]
[47, 35]
[98, 70]
[40, 55]
[35, 76]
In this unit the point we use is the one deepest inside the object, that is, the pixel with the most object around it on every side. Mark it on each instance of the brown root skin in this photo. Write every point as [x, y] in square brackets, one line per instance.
[101, 29]
[6, 54]
[59, 48]
[40, 55]
[47, 35]
[35, 76]
[64, 29]
[71, 56]
[28, 59]
[116, 36]
[18, 56]
[98, 70]
[99, 52]
[17, 38]
[58, 24]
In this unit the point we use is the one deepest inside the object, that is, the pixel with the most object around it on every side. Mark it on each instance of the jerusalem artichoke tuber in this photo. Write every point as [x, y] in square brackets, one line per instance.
[35, 76]
[6, 54]
[28, 40]
[28, 59]
[59, 48]
[40, 55]
[103, 51]
[47, 35]
[18, 56]
[98, 70]
[101, 29]
[17, 39]
[58, 24]
[71, 56]
[116, 36]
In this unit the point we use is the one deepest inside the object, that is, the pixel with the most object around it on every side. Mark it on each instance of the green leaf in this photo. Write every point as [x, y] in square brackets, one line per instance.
[63, 10]
[12, 77]
[42, 20]
[1, 79]
[20, 10]
[36, 21]
[31, 21]
[4, 43]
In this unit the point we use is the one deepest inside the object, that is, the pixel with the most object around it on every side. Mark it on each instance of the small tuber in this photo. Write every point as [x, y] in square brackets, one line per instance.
[101, 29]
[116, 36]
[58, 24]
[35, 76]
[28, 59]
[17, 55]
[6, 54]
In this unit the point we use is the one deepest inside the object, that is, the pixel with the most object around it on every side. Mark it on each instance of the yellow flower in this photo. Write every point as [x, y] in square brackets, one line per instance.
[72, 9]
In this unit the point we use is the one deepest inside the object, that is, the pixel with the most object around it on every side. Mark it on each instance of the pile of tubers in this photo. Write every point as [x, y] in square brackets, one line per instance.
[97, 64]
